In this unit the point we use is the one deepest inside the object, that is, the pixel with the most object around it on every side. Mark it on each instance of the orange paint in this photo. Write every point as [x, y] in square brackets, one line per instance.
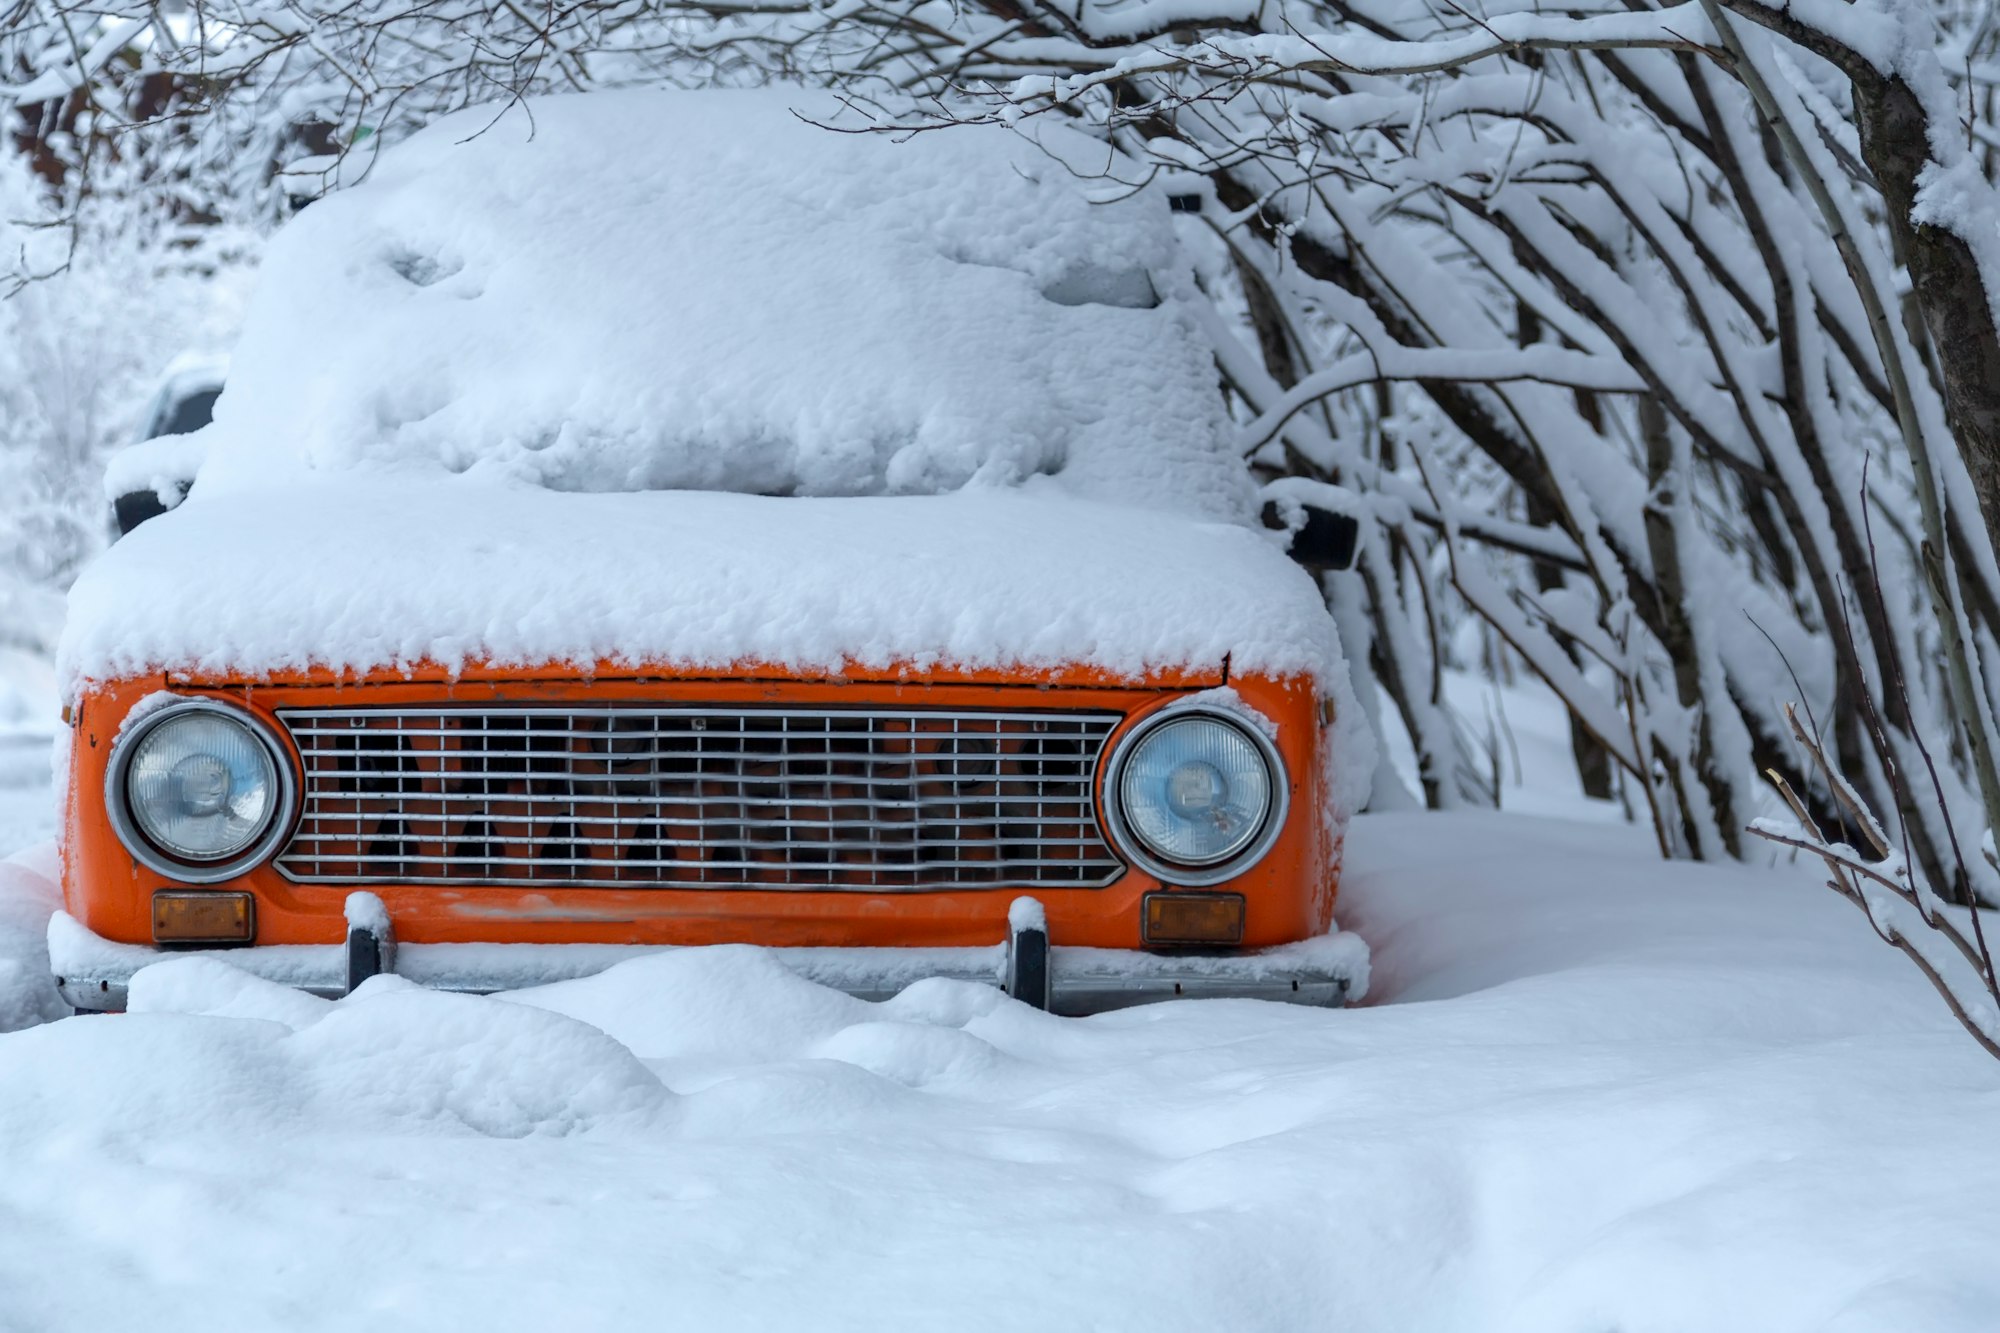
[1289, 894]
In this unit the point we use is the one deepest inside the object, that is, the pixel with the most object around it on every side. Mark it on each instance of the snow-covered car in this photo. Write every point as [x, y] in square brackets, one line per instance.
[655, 520]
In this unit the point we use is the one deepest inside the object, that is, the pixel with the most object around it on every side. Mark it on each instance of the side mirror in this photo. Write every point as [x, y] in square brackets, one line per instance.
[131, 509]
[1324, 540]
[146, 479]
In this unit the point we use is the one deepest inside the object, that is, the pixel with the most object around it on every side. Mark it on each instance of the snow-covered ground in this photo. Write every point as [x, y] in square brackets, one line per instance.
[26, 815]
[28, 720]
[1589, 1092]
[1520, 734]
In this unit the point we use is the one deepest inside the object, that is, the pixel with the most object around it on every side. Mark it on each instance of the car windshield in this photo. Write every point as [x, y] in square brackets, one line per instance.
[654, 291]
[185, 414]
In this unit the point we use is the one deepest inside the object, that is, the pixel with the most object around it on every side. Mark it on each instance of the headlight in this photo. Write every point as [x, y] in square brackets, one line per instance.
[1196, 796]
[198, 791]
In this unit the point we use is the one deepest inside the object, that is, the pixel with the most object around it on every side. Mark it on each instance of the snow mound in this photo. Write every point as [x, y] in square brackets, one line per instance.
[401, 1054]
[916, 1055]
[658, 290]
[695, 1011]
[213, 988]
[395, 1053]
[729, 1002]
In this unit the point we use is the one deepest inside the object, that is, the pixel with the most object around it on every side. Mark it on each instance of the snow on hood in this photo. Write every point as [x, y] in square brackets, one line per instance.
[364, 574]
[658, 290]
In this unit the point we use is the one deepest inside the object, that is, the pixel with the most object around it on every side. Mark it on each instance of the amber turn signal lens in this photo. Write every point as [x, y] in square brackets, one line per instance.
[190, 916]
[1194, 918]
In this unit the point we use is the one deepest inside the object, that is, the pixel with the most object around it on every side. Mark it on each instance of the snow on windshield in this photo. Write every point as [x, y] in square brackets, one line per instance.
[657, 290]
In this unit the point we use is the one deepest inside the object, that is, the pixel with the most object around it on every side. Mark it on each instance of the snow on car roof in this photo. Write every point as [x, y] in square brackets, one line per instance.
[655, 290]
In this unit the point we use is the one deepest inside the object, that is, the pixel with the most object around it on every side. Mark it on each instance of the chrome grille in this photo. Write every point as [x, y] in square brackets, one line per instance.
[699, 798]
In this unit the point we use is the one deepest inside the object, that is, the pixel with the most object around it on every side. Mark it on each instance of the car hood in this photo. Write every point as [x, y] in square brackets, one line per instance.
[361, 575]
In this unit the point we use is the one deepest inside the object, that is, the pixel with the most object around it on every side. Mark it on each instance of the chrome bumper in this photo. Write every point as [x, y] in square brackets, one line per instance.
[94, 973]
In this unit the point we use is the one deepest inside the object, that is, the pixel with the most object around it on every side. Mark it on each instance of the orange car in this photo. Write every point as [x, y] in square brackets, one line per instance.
[356, 706]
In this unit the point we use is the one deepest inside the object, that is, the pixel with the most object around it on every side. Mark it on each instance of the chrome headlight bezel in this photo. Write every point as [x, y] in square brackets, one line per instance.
[1133, 847]
[118, 804]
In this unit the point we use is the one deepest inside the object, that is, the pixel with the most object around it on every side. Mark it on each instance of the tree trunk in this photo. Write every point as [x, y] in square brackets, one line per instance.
[1946, 281]
[1666, 474]
[1950, 292]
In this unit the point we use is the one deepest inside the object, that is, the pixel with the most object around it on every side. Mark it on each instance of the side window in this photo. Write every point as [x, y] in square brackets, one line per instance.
[186, 414]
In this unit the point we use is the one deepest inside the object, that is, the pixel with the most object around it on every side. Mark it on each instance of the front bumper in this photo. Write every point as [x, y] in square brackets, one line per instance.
[95, 973]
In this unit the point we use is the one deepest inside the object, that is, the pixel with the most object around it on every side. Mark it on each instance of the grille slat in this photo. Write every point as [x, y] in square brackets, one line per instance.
[699, 798]
[1031, 784]
[835, 825]
[802, 844]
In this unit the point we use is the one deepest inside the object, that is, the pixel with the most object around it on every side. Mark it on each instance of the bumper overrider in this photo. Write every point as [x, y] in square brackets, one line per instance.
[94, 973]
